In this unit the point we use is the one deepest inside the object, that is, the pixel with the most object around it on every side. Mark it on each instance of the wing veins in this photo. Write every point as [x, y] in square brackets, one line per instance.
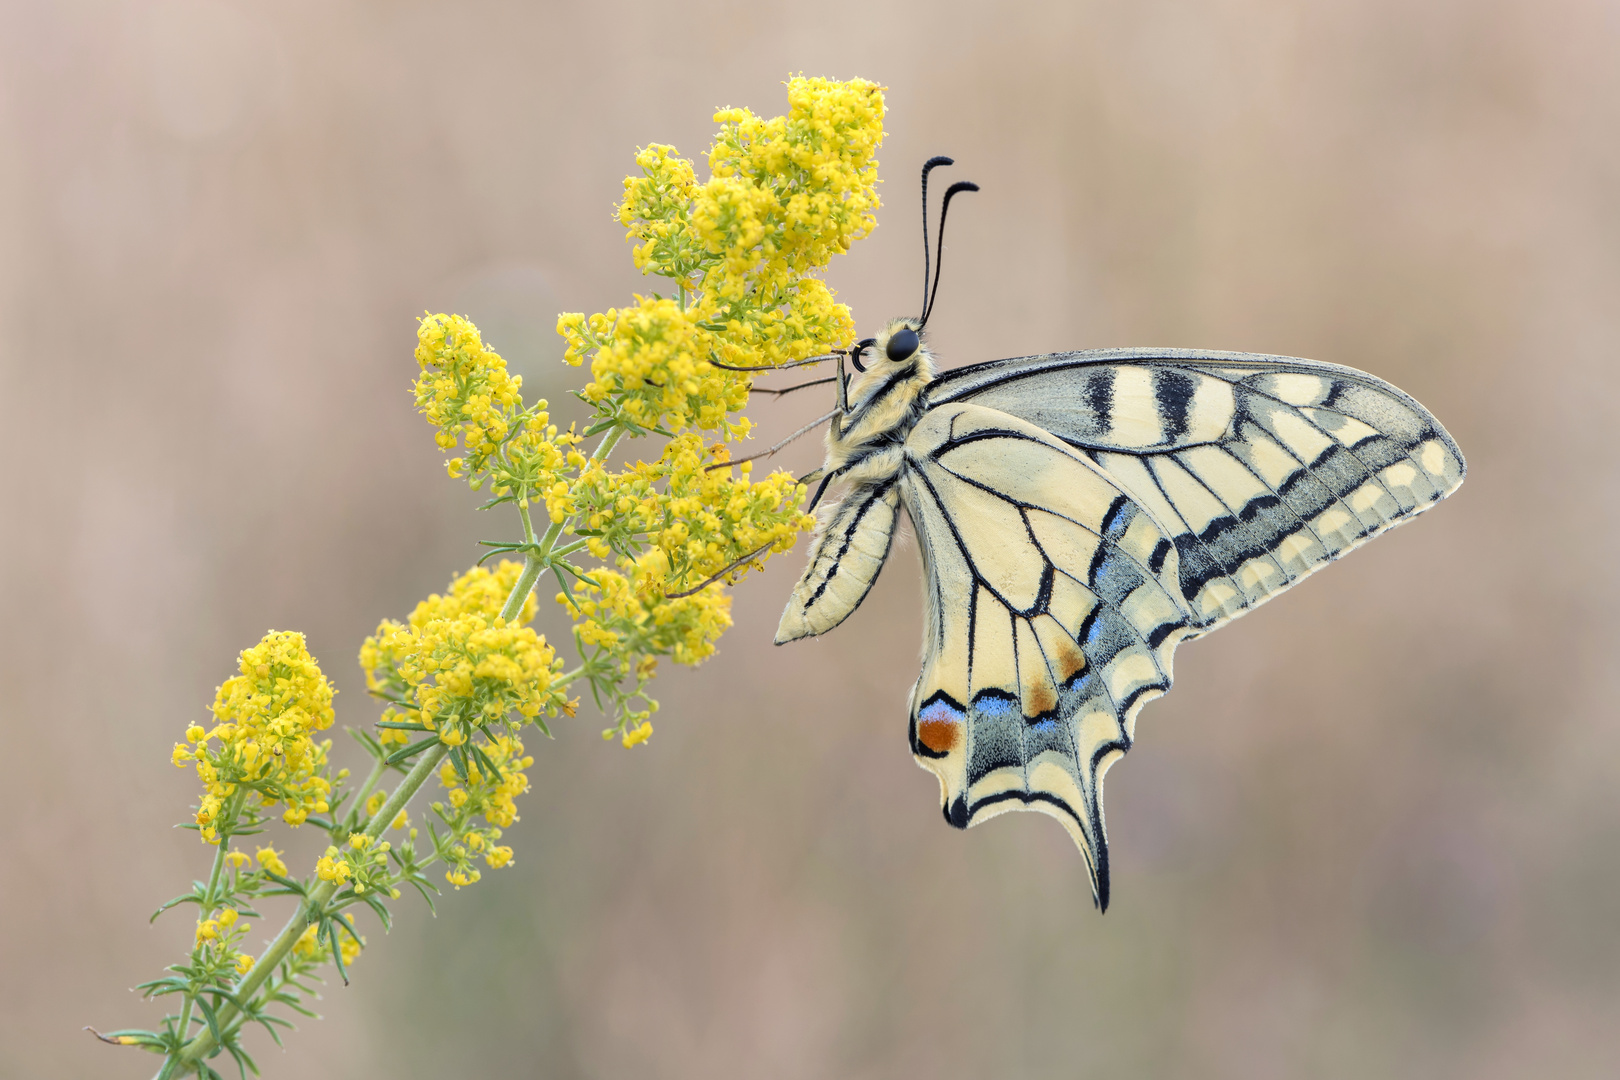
[1103, 601]
[1235, 512]
[1281, 501]
[1024, 508]
[1299, 412]
[1305, 467]
[1187, 529]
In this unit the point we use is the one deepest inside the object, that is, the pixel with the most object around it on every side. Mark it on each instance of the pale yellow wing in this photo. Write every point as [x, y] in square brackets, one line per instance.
[1054, 611]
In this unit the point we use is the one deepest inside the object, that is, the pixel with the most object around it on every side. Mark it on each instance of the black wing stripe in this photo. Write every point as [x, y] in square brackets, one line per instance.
[1198, 564]
[1236, 519]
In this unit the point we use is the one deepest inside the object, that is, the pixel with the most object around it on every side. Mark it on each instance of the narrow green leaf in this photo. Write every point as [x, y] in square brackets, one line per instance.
[212, 1020]
[432, 910]
[484, 763]
[383, 916]
[337, 958]
[412, 750]
[188, 898]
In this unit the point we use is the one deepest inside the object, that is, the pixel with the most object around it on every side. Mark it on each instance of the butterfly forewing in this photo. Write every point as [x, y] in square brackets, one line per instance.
[1263, 468]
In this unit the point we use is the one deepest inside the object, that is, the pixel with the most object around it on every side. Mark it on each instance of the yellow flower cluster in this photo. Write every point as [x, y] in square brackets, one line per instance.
[742, 251]
[219, 935]
[364, 865]
[698, 519]
[785, 195]
[615, 616]
[262, 742]
[270, 859]
[488, 793]
[309, 949]
[456, 666]
[466, 392]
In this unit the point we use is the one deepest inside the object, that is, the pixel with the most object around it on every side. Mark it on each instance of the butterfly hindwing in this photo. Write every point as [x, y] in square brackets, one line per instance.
[1054, 610]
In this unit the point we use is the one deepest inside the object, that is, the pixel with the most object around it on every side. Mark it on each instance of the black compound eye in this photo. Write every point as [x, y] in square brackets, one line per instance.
[902, 344]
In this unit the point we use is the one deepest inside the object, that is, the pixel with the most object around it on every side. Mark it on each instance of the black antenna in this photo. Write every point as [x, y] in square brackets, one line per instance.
[944, 208]
[928, 166]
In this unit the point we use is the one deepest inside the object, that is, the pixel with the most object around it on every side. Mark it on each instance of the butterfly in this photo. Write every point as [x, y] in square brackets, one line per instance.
[1081, 514]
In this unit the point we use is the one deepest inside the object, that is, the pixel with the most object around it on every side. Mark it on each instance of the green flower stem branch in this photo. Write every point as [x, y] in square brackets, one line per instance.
[313, 906]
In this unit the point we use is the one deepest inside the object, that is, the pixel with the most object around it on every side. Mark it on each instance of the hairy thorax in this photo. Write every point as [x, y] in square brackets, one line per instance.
[885, 401]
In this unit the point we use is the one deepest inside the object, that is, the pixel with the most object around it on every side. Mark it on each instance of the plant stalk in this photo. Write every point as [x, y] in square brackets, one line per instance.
[314, 902]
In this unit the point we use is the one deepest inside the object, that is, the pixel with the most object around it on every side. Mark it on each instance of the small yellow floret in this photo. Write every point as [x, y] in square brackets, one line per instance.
[270, 859]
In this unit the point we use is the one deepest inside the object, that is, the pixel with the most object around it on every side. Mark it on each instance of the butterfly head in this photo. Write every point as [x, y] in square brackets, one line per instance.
[897, 353]
[898, 345]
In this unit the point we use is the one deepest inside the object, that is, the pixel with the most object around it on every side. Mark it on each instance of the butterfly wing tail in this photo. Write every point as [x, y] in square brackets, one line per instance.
[1016, 766]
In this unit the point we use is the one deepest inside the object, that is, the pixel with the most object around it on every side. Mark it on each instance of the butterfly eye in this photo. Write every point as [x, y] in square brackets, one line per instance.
[902, 344]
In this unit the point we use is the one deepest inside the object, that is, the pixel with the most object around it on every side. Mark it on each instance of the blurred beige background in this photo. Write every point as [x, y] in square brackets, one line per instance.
[1372, 833]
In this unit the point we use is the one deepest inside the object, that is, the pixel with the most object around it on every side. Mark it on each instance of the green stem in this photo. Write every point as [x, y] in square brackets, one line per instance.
[533, 567]
[220, 851]
[378, 767]
[568, 549]
[313, 905]
[528, 525]
[316, 901]
[535, 563]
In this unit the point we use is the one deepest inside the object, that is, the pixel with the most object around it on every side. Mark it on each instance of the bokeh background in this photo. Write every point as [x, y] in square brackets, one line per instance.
[1374, 831]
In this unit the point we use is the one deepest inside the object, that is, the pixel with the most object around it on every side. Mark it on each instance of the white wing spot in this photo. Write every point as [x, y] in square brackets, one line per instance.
[1214, 596]
[1399, 475]
[1297, 389]
[1296, 547]
[1433, 457]
[1365, 497]
[1256, 572]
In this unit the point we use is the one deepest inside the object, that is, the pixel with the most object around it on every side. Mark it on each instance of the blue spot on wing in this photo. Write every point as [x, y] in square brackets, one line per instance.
[997, 735]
